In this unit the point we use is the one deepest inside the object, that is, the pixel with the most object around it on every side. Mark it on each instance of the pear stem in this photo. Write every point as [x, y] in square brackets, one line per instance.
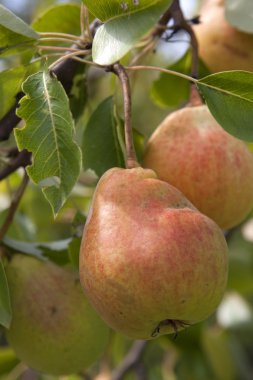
[131, 159]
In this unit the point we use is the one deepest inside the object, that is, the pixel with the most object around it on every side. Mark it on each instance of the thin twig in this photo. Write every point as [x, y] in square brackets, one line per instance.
[182, 23]
[57, 48]
[82, 20]
[162, 24]
[87, 24]
[87, 62]
[149, 47]
[13, 207]
[131, 159]
[61, 39]
[68, 56]
[162, 70]
[65, 35]
[131, 360]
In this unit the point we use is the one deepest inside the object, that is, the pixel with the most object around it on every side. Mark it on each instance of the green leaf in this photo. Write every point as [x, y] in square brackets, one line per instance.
[78, 95]
[101, 149]
[117, 37]
[106, 10]
[74, 249]
[61, 18]
[170, 90]
[14, 31]
[56, 251]
[10, 21]
[48, 134]
[5, 304]
[10, 83]
[229, 96]
[77, 224]
[22, 246]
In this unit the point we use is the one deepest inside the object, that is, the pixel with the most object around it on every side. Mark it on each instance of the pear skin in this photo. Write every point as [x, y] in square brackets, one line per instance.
[150, 262]
[221, 46]
[213, 169]
[54, 329]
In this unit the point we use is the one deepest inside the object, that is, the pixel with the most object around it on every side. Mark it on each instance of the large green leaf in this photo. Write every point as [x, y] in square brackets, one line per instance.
[106, 10]
[63, 18]
[170, 90]
[5, 305]
[229, 96]
[116, 38]
[48, 134]
[101, 149]
[14, 32]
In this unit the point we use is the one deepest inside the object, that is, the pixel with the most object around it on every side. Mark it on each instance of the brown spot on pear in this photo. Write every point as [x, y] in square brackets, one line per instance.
[150, 262]
[214, 170]
[54, 329]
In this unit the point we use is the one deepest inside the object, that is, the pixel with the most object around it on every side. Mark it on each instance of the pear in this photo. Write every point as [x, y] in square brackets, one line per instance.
[54, 329]
[213, 169]
[221, 46]
[150, 262]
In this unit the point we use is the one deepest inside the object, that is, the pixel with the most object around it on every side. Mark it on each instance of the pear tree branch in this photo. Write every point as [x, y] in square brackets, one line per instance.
[20, 159]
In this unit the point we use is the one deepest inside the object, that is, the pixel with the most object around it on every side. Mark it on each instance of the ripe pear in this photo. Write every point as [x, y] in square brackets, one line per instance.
[214, 170]
[150, 262]
[221, 46]
[54, 329]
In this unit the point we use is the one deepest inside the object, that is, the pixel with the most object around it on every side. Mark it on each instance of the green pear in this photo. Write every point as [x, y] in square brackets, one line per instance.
[150, 262]
[214, 170]
[54, 329]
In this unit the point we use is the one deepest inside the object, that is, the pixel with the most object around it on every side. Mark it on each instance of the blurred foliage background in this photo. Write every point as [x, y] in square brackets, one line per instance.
[220, 348]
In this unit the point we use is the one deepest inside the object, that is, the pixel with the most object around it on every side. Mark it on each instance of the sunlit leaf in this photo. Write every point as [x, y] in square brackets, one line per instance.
[106, 10]
[115, 38]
